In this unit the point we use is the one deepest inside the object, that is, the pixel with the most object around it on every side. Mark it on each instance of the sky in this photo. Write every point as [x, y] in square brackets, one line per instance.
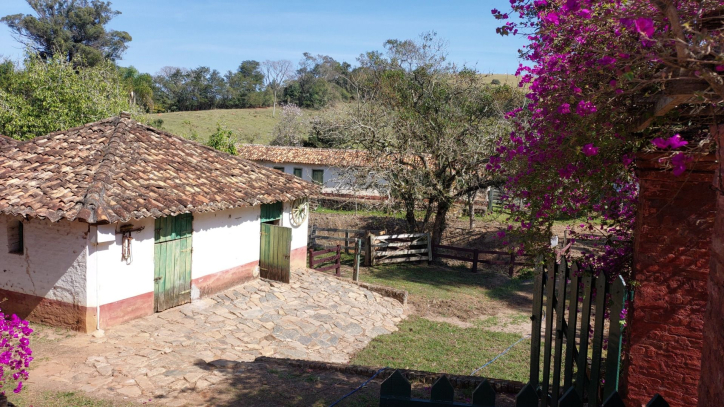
[222, 34]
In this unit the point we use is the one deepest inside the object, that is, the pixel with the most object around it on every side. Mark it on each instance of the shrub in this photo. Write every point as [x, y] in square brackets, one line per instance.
[15, 352]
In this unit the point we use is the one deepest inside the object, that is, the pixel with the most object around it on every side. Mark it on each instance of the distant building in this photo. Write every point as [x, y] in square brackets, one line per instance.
[341, 173]
[115, 220]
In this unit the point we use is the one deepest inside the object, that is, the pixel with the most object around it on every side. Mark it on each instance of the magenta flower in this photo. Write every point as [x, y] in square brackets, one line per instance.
[679, 162]
[19, 388]
[565, 108]
[676, 141]
[660, 143]
[645, 26]
[589, 150]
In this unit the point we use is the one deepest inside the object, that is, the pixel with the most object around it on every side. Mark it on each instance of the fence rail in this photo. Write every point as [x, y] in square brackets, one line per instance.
[400, 248]
[396, 391]
[331, 262]
[326, 238]
[473, 256]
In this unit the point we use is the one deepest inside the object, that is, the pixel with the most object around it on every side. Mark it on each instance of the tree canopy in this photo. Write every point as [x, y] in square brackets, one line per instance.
[72, 30]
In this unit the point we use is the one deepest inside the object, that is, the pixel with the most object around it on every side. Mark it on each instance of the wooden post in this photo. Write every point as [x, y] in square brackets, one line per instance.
[357, 250]
[371, 249]
[368, 251]
[313, 236]
[429, 248]
[512, 260]
[339, 260]
[476, 254]
[346, 241]
[311, 259]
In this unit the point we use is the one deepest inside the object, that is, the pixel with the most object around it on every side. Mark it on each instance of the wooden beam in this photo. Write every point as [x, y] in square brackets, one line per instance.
[664, 105]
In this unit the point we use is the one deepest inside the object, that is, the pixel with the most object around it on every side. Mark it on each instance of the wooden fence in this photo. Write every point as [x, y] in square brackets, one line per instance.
[399, 248]
[566, 339]
[396, 391]
[473, 256]
[331, 262]
[322, 238]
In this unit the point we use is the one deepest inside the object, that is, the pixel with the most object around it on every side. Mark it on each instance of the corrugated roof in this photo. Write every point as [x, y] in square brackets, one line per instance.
[304, 155]
[118, 169]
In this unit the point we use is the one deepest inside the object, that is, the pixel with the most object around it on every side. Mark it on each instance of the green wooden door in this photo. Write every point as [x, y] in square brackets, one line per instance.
[274, 256]
[172, 261]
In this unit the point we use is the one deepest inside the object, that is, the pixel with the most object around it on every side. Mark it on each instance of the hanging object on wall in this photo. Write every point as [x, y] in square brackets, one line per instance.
[126, 239]
[298, 214]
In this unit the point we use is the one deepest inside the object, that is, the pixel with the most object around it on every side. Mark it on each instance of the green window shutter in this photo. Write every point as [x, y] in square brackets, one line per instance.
[298, 172]
[271, 211]
[318, 176]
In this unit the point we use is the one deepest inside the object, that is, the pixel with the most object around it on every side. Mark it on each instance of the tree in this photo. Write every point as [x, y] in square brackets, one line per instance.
[51, 95]
[288, 130]
[276, 74]
[427, 127]
[73, 30]
[139, 87]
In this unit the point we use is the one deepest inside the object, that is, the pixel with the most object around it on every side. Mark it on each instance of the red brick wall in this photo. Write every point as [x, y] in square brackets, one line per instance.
[711, 386]
[671, 266]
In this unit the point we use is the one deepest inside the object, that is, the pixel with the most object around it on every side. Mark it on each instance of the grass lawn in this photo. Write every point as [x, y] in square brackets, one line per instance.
[441, 347]
[28, 397]
[252, 125]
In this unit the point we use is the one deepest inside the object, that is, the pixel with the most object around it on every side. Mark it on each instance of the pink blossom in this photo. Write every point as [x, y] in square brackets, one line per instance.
[589, 150]
[565, 108]
[645, 26]
[679, 162]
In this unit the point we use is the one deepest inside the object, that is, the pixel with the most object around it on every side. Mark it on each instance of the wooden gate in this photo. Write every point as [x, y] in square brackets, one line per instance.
[172, 261]
[275, 252]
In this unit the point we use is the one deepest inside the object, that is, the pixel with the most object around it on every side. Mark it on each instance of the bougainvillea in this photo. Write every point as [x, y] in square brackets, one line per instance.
[594, 72]
[15, 353]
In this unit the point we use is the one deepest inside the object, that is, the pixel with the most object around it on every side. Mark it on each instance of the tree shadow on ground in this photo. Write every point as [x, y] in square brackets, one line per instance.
[278, 383]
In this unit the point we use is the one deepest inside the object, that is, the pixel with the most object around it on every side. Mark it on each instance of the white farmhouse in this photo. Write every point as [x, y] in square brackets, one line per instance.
[341, 173]
[115, 220]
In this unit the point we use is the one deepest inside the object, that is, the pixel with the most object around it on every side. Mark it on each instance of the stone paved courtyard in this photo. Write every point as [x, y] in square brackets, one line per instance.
[169, 356]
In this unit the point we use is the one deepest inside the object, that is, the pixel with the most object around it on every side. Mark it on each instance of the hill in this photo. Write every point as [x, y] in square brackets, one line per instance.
[252, 125]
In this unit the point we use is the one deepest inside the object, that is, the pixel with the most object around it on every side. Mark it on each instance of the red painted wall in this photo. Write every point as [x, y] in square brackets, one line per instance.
[711, 386]
[675, 218]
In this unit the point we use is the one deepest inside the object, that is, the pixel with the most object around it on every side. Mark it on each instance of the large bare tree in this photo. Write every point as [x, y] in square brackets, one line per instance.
[276, 74]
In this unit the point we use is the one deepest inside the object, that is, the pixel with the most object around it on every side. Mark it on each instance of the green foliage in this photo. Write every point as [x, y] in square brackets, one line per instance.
[53, 95]
[139, 87]
[73, 31]
[495, 82]
[223, 140]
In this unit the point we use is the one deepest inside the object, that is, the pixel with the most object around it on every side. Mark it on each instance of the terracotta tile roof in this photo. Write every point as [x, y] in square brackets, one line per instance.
[7, 141]
[118, 169]
[304, 155]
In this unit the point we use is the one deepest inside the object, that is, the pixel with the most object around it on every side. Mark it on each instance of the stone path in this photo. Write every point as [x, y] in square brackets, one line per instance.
[185, 349]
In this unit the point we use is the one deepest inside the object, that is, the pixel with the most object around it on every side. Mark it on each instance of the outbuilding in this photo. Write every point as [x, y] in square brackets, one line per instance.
[115, 220]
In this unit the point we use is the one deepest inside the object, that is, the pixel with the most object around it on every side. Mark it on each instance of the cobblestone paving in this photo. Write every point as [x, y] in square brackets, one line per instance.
[180, 351]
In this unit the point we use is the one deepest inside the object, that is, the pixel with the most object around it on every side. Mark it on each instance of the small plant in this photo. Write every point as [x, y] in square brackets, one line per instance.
[15, 353]
[222, 139]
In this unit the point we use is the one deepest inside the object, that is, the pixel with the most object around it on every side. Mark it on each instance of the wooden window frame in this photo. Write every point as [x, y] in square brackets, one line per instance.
[279, 168]
[19, 248]
[314, 180]
[301, 172]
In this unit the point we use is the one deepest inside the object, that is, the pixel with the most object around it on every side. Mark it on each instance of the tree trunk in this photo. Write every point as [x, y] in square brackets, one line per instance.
[410, 213]
[438, 227]
[471, 208]
[274, 109]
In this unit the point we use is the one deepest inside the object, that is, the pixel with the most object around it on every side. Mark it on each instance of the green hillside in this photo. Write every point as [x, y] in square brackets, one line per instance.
[252, 125]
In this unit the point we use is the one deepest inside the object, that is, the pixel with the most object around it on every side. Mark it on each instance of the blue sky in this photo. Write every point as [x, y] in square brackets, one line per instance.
[221, 34]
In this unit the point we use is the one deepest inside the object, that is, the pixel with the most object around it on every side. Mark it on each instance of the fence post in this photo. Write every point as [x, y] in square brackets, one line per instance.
[339, 260]
[429, 248]
[476, 254]
[311, 259]
[368, 250]
[371, 249]
[346, 241]
[313, 236]
[357, 250]
[512, 260]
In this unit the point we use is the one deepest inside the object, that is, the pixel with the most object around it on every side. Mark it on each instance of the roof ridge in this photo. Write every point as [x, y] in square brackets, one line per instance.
[303, 147]
[93, 201]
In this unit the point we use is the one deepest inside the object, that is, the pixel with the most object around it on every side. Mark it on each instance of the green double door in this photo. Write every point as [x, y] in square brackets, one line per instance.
[172, 261]
[275, 252]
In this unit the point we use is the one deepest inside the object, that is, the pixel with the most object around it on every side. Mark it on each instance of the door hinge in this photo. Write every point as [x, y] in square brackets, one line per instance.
[188, 250]
[157, 279]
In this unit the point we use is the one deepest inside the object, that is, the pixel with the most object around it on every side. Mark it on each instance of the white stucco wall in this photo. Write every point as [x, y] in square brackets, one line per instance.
[299, 233]
[53, 262]
[118, 279]
[226, 239]
[336, 180]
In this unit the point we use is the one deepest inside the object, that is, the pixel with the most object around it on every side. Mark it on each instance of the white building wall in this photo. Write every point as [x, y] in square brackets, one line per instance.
[53, 262]
[119, 279]
[299, 233]
[226, 239]
[336, 180]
